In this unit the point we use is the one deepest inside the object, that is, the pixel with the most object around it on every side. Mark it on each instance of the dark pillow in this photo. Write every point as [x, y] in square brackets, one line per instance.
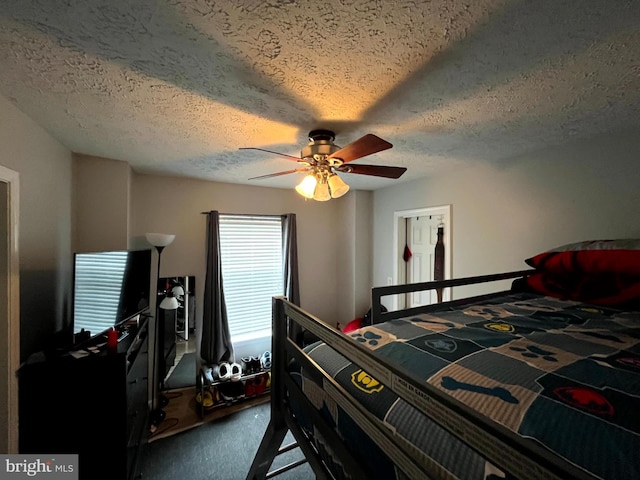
[594, 257]
[608, 289]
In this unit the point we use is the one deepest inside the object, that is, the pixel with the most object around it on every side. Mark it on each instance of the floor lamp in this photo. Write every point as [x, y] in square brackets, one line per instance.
[159, 241]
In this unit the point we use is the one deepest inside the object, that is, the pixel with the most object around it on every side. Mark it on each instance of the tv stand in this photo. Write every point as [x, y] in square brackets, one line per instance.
[92, 404]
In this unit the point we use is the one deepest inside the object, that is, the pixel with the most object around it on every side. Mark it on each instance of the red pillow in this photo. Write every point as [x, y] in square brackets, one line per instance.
[352, 325]
[591, 258]
[608, 290]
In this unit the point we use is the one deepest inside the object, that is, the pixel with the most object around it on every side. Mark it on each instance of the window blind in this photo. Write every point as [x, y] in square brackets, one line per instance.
[251, 259]
[97, 289]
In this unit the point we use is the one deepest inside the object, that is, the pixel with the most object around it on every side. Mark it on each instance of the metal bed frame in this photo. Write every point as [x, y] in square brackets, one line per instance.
[500, 446]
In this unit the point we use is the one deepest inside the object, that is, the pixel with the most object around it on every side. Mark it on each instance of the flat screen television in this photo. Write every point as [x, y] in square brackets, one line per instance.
[108, 289]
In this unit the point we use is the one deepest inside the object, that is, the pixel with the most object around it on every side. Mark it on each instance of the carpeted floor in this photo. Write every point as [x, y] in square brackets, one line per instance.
[220, 449]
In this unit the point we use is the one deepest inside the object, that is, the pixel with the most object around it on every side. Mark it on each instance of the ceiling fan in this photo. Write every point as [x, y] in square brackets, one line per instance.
[322, 160]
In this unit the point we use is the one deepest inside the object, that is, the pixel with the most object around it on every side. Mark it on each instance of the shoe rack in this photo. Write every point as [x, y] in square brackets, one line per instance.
[223, 393]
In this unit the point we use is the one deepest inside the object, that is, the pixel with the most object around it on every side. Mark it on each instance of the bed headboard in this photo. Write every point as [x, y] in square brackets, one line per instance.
[378, 316]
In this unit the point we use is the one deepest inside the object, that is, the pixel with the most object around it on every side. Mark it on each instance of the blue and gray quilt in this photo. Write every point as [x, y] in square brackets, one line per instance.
[563, 374]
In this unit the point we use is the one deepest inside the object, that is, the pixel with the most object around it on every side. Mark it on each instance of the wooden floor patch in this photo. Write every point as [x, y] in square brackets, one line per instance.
[182, 412]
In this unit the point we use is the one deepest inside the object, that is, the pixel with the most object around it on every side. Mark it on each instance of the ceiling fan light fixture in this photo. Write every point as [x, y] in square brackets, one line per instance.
[307, 186]
[337, 185]
[322, 159]
[321, 193]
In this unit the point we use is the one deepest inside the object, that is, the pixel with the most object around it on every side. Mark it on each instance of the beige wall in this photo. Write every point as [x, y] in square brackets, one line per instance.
[344, 228]
[44, 166]
[174, 205]
[101, 209]
[363, 253]
[506, 213]
[353, 277]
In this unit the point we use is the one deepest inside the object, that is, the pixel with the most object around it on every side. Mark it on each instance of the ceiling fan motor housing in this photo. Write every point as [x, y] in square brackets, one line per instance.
[320, 143]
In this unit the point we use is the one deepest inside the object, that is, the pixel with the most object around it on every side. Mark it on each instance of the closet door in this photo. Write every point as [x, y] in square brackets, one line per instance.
[422, 236]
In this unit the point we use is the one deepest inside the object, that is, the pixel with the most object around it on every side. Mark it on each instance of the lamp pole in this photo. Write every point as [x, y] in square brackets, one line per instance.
[159, 241]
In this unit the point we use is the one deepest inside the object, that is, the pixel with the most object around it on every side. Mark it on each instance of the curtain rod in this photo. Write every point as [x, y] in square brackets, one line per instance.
[248, 214]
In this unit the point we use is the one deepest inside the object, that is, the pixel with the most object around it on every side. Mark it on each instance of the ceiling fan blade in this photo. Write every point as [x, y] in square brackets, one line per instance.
[279, 173]
[361, 148]
[290, 157]
[375, 170]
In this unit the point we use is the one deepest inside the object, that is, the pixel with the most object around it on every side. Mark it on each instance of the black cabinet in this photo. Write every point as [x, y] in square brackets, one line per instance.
[95, 406]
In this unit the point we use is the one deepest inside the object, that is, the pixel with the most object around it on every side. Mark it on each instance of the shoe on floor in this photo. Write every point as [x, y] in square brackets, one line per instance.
[231, 391]
[247, 365]
[236, 372]
[251, 365]
[249, 388]
[222, 371]
[206, 400]
[260, 383]
[208, 374]
[265, 360]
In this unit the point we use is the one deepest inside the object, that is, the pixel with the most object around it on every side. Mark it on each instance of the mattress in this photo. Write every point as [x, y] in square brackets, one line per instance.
[562, 374]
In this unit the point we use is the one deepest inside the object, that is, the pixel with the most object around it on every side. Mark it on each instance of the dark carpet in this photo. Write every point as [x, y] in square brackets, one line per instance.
[184, 374]
[219, 450]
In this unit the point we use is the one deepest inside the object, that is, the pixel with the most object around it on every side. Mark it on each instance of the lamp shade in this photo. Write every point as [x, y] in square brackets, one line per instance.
[307, 186]
[321, 192]
[159, 239]
[169, 303]
[337, 186]
[178, 291]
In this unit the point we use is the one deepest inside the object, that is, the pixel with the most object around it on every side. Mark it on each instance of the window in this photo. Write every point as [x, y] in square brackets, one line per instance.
[251, 259]
[98, 283]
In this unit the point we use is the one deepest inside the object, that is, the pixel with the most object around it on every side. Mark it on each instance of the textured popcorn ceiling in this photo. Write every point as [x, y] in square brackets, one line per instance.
[177, 86]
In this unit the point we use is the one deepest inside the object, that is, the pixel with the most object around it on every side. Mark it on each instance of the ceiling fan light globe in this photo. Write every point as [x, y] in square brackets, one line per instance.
[338, 186]
[321, 193]
[307, 186]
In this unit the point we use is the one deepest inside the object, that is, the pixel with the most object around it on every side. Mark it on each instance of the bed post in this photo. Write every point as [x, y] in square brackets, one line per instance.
[376, 307]
[277, 428]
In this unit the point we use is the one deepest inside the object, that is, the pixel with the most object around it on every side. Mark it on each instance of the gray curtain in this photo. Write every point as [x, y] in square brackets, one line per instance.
[290, 258]
[216, 345]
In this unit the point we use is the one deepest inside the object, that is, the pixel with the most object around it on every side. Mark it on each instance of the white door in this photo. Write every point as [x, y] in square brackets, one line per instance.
[418, 229]
[422, 235]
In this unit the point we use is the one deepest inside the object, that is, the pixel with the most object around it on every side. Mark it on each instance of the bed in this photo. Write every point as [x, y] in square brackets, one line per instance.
[539, 381]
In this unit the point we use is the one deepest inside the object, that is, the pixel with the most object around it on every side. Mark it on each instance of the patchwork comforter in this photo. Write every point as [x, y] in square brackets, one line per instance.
[563, 374]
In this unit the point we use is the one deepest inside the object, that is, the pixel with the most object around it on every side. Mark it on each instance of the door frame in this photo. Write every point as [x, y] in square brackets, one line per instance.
[11, 311]
[399, 239]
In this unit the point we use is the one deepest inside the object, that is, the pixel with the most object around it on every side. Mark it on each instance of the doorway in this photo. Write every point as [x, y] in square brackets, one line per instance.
[9, 311]
[415, 237]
